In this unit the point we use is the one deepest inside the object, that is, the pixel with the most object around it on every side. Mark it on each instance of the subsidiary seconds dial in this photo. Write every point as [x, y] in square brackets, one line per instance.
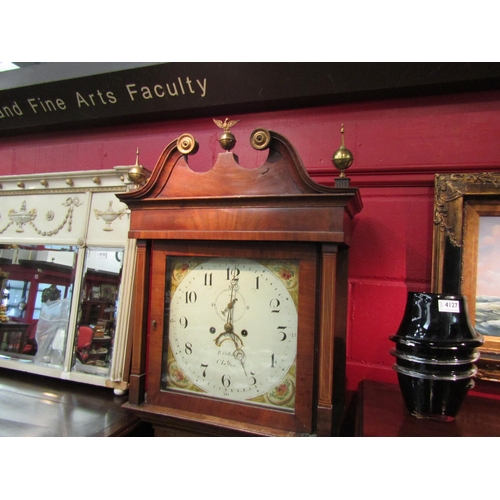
[232, 329]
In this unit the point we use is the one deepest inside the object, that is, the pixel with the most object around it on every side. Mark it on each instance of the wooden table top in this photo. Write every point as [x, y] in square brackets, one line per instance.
[37, 406]
[381, 412]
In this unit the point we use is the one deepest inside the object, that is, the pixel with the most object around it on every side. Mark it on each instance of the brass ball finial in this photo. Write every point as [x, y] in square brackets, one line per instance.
[137, 174]
[342, 158]
[227, 140]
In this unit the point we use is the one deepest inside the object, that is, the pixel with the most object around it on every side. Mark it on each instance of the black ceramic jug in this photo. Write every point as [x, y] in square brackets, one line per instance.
[438, 317]
[436, 347]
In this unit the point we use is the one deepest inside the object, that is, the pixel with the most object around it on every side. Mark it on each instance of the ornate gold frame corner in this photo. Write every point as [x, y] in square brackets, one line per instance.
[459, 201]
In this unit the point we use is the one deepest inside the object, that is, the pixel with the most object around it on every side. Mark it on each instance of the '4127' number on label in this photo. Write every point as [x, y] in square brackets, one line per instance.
[449, 306]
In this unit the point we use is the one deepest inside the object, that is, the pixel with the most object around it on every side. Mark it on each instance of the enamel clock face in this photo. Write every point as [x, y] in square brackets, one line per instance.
[232, 329]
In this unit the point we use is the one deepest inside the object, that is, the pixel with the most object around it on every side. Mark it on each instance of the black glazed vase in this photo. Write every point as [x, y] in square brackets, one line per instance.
[436, 347]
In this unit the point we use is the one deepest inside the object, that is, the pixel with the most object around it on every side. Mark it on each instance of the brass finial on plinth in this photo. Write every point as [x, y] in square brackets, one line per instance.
[342, 159]
[137, 174]
[227, 140]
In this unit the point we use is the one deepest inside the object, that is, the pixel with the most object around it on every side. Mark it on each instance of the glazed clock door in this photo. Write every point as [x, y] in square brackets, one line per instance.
[234, 327]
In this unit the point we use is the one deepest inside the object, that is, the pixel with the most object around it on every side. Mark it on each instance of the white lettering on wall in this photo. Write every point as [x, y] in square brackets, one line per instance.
[11, 111]
[176, 88]
[46, 105]
[203, 87]
[95, 99]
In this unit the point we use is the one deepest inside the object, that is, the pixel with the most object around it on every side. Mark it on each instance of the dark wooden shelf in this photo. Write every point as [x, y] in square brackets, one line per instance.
[36, 406]
[381, 412]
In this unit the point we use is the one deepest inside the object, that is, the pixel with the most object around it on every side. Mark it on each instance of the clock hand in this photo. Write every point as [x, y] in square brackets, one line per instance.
[239, 355]
[233, 285]
[229, 334]
[228, 309]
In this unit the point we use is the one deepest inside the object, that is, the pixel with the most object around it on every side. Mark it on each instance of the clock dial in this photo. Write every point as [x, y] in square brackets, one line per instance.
[232, 329]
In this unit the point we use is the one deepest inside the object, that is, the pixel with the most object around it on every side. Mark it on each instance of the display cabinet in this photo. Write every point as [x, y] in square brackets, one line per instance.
[66, 261]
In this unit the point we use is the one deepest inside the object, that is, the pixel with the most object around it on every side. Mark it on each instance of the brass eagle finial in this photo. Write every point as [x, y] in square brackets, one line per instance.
[226, 124]
[227, 140]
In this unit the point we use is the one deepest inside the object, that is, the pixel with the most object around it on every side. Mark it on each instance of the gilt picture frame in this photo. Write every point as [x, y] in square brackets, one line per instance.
[466, 254]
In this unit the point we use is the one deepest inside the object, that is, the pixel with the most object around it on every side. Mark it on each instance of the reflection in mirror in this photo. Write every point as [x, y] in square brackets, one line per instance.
[36, 300]
[98, 307]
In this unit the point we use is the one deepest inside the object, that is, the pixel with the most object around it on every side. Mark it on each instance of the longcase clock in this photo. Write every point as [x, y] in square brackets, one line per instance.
[240, 302]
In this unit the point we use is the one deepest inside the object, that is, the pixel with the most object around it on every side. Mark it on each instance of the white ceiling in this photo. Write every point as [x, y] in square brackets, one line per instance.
[32, 73]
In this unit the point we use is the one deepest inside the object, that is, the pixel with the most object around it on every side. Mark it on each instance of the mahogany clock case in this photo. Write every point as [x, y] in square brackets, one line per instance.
[275, 211]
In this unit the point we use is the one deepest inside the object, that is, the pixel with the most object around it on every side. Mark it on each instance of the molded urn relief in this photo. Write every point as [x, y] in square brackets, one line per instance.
[22, 217]
[109, 216]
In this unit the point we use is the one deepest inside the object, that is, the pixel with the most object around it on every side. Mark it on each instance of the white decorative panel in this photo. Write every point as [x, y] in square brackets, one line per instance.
[109, 220]
[57, 217]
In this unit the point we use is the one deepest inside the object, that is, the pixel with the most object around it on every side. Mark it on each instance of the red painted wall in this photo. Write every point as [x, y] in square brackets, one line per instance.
[398, 146]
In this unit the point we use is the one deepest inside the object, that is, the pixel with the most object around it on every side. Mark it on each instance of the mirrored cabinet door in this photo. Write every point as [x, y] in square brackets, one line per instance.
[38, 290]
[97, 314]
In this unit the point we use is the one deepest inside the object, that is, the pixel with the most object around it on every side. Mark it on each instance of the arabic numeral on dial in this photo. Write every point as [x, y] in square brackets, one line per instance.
[191, 297]
[208, 279]
[274, 304]
[226, 381]
[188, 348]
[281, 330]
[183, 322]
[273, 361]
[232, 273]
[204, 370]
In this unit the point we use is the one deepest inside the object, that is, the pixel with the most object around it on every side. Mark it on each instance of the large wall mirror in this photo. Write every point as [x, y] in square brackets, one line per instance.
[66, 266]
[466, 254]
